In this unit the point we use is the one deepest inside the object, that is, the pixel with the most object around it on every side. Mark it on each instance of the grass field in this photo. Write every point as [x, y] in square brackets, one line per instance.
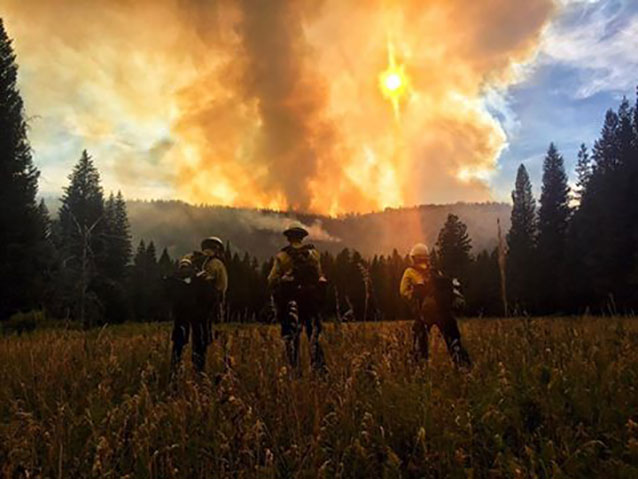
[546, 398]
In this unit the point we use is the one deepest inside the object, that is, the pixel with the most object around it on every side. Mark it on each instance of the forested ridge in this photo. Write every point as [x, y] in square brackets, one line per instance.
[179, 226]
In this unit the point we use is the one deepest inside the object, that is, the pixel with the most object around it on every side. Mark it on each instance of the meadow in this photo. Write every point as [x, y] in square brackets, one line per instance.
[546, 398]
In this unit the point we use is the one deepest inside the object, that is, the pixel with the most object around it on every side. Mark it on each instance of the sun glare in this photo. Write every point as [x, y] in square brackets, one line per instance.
[393, 81]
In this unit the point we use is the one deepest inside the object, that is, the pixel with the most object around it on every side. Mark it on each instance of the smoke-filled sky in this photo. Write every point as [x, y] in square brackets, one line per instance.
[329, 106]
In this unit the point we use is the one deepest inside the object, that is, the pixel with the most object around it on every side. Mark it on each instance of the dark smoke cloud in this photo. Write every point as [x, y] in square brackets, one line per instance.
[290, 95]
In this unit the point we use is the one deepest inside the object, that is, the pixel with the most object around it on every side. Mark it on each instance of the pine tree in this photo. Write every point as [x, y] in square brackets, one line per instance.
[82, 208]
[632, 207]
[166, 267]
[356, 288]
[453, 248]
[146, 284]
[165, 263]
[81, 227]
[521, 242]
[553, 218]
[109, 233]
[627, 214]
[139, 261]
[605, 151]
[603, 230]
[139, 290]
[152, 269]
[583, 171]
[44, 218]
[483, 293]
[625, 132]
[20, 225]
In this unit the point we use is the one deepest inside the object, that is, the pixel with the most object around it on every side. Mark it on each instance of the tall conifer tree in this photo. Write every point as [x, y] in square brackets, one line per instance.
[83, 201]
[604, 226]
[117, 238]
[165, 263]
[82, 224]
[583, 171]
[553, 218]
[521, 242]
[453, 248]
[20, 226]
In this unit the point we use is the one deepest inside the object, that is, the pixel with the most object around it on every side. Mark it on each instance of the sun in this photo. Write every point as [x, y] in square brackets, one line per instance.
[393, 81]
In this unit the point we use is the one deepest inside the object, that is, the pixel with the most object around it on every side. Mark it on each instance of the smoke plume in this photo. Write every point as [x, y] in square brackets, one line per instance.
[276, 223]
[272, 103]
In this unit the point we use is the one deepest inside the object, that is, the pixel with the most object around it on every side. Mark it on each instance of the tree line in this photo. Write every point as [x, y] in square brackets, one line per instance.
[571, 251]
[579, 249]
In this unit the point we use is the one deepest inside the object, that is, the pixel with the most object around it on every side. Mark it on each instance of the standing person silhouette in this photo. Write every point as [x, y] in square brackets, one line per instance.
[431, 297]
[298, 287]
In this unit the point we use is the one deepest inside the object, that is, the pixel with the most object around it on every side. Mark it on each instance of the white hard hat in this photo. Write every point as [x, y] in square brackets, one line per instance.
[419, 249]
[212, 242]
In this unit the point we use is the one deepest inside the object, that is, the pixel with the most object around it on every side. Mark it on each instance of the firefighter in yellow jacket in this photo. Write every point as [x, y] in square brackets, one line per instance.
[298, 285]
[432, 297]
[198, 292]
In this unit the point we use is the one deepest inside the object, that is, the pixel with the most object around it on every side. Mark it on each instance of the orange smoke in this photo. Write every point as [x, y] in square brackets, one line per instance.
[276, 103]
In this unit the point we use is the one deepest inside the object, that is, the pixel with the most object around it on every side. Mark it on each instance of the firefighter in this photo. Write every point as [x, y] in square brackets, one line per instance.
[432, 298]
[298, 287]
[198, 291]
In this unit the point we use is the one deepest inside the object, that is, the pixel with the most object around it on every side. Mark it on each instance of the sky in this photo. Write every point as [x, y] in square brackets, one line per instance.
[327, 106]
[587, 62]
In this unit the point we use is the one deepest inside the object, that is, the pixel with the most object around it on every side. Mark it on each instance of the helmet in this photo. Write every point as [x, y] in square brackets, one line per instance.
[419, 250]
[296, 231]
[212, 242]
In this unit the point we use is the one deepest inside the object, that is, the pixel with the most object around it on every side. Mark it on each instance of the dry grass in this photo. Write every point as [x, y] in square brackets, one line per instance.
[547, 398]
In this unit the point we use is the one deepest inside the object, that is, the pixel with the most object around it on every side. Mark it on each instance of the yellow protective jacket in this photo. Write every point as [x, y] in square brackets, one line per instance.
[282, 265]
[411, 277]
[212, 270]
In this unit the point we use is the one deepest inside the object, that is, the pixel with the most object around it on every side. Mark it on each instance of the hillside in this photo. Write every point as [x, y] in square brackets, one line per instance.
[179, 226]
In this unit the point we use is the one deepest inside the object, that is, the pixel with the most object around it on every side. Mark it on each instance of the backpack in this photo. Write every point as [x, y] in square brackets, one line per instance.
[200, 260]
[443, 291]
[304, 267]
[447, 291]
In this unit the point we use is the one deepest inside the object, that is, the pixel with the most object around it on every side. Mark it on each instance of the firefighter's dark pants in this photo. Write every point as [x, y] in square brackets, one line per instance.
[297, 309]
[200, 342]
[448, 326]
[193, 309]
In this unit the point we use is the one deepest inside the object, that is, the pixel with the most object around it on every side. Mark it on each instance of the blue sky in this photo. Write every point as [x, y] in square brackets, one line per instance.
[588, 62]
